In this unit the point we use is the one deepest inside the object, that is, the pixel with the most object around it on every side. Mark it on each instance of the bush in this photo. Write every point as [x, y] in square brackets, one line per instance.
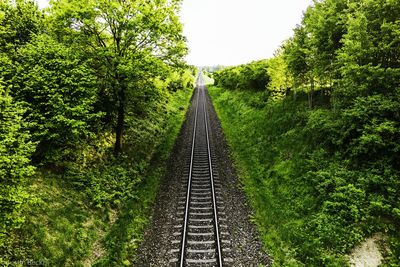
[252, 76]
[15, 151]
[59, 91]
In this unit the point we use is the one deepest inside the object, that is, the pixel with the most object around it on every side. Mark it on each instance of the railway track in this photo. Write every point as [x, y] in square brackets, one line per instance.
[201, 236]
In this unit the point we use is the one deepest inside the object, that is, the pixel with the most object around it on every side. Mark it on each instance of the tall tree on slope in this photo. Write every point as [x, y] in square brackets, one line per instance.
[117, 34]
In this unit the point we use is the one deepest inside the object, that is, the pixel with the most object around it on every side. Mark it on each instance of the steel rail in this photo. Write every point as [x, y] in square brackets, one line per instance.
[184, 234]
[212, 188]
[200, 93]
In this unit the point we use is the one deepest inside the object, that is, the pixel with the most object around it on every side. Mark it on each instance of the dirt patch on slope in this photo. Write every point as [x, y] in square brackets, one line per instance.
[368, 253]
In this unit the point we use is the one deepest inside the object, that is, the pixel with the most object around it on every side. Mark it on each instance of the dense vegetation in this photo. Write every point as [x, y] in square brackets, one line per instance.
[92, 94]
[248, 76]
[318, 148]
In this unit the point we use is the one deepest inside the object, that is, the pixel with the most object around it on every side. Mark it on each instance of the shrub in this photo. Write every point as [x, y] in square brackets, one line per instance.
[15, 151]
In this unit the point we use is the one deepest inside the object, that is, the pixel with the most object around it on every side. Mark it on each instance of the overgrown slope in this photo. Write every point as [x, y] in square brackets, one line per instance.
[97, 216]
[312, 206]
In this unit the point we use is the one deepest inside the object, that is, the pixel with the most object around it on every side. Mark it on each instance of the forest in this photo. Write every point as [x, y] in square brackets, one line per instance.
[315, 134]
[92, 96]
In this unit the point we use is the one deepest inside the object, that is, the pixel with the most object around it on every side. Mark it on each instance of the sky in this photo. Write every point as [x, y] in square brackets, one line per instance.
[232, 32]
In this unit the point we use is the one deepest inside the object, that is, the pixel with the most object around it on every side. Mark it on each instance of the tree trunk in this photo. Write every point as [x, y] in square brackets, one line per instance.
[120, 122]
[287, 91]
[311, 95]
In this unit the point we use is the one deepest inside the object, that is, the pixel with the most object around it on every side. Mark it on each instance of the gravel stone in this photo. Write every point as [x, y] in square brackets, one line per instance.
[246, 247]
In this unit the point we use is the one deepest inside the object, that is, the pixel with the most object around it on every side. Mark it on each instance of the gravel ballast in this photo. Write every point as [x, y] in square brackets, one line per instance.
[246, 248]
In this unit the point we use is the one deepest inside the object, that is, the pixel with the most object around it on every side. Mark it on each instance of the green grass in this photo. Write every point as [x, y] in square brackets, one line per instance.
[270, 155]
[62, 228]
[97, 217]
[312, 203]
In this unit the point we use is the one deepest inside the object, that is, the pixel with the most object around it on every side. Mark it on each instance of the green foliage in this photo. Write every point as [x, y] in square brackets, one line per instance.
[19, 21]
[369, 59]
[75, 77]
[324, 26]
[324, 178]
[179, 80]
[95, 214]
[281, 81]
[59, 91]
[129, 41]
[252, 76]
[319, 203]
[15, 168]
[110, 181]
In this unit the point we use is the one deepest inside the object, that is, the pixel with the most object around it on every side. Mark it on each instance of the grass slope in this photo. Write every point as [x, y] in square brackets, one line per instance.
[267, 179]
[97, 218]
[310, 210]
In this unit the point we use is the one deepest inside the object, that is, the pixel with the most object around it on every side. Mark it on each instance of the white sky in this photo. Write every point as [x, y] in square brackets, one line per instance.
[42, 3]
[231, 32]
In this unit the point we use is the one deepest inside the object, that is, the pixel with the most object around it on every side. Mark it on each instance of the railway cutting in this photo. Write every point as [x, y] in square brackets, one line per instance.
[201, 217]
[202, 237]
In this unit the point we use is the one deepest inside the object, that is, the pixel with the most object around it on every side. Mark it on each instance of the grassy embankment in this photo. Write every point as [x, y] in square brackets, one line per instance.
[287, 179]
[256, 137]
[97, 216]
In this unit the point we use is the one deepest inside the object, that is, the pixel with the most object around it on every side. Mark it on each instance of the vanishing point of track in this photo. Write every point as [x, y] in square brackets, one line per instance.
[201, 237]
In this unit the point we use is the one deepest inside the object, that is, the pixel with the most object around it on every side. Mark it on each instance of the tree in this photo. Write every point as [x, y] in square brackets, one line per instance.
[300, 61]
[325, 24]
[281, 80]
[116, 34]
[251, 76]
[256, 75]
[19, 21]
[369, 59]
[58, 89]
